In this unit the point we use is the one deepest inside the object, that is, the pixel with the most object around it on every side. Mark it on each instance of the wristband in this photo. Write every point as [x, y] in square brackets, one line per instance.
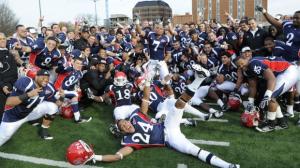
[251, 100]
[120, 154]
[23, 97]
[98, 157]
[268, 93]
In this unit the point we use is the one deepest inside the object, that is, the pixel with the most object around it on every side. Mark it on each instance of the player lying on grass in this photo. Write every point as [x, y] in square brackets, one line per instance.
[138, 132]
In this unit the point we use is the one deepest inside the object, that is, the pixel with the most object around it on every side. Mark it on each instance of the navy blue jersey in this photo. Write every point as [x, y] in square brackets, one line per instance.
[158, 46]
[179, 85]
[42, 57]
[176, 55]
[156, 97]
[184, 38]
[258, 65]
[120, 95]
[230, 73]
[28, 42]
[70, 80]
[283, 50]
[292, 35]
[203, 36]
[50, 93]
[61, 37]
[231, 36]
[21, 86]
[146, 133]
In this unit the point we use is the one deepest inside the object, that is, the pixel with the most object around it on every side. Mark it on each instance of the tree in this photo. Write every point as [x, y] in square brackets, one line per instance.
[8, 20]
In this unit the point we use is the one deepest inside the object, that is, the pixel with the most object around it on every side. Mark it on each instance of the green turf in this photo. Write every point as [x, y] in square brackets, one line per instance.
[249, 148]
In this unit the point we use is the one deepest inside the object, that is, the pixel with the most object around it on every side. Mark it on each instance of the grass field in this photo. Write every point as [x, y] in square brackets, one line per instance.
[278, 149]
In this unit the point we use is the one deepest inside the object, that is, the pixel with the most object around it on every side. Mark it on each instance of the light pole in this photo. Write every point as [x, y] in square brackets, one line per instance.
[96, 15]
[40, 7]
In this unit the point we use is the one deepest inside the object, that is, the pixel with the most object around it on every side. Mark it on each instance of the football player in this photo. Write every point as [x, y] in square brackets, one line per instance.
[68, 81]
[26, 103]
[120, 92]
[139, 132]
[45, 55]
[159, 49]
[280, 76]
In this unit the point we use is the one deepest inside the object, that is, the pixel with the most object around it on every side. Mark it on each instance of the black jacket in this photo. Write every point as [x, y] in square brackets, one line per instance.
[8, 69]
[256, 41]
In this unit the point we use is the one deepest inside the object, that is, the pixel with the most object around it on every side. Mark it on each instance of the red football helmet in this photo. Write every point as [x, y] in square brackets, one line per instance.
[250, 118]
[234, 102]
[120, 79]
[79, 153]
[140, 82]
[67, 112]
[31, 72]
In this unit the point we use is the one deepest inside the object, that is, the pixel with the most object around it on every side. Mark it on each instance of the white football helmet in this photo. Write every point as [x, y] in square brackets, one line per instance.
[120, 79]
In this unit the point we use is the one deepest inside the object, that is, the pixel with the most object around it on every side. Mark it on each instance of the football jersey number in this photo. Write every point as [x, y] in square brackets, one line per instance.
[138, 137]
[46, 61]
[156, 43]
[126, 94]
[70, 81]
[34, 100]
[290, 38]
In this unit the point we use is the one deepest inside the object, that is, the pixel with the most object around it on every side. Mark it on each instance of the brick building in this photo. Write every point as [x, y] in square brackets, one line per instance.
[181, 19]
[214, 9]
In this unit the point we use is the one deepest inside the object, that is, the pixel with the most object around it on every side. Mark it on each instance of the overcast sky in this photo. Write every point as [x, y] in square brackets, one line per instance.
[67, 10]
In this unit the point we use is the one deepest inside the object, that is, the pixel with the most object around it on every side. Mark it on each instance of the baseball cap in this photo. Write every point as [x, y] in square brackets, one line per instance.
[43, 72]
[244, 49]
[101, 61]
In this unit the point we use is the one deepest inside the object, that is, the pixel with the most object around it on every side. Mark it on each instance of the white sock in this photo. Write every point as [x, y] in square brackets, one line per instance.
[43, 126]
[211, 110]
[195, 84]
[279, 112]
[185, 121]
[271, 115]
[189, 109]
[220, 103]
[212, 159]
[76, 116]
[290, 109]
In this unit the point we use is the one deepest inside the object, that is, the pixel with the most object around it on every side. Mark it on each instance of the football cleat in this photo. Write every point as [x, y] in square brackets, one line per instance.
[208, 116]
[79, 153]
[289, 115]
[298, 123]
[281, 124]
[192, 123]
[200, 71]
[218, 114]
[44, 134]
[83, 119]
[90, 94]
[234, 166]
[267, 126]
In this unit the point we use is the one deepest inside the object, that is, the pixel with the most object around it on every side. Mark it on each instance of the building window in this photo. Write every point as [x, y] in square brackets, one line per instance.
[201, 8]
[257, 14]
[209, 9]
[218, 11]
[241, 9]
[230, 7]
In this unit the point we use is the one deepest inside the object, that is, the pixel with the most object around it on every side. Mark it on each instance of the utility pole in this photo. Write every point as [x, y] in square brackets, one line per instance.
[40, 7]
[96, 14]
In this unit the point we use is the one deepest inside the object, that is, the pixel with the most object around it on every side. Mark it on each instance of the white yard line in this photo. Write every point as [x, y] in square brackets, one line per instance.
[41, 161]
[211, 120]
[179, 165]
[205, 142]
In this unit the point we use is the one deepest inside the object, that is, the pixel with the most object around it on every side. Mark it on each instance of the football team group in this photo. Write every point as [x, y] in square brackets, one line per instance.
[152, 73]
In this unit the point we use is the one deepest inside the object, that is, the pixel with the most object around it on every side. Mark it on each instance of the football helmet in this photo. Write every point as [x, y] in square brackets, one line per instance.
[31, 72]
[140, 82]
[120, 79]
[79, 153]
[234, 102]
[250, 118]
[67, 112]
